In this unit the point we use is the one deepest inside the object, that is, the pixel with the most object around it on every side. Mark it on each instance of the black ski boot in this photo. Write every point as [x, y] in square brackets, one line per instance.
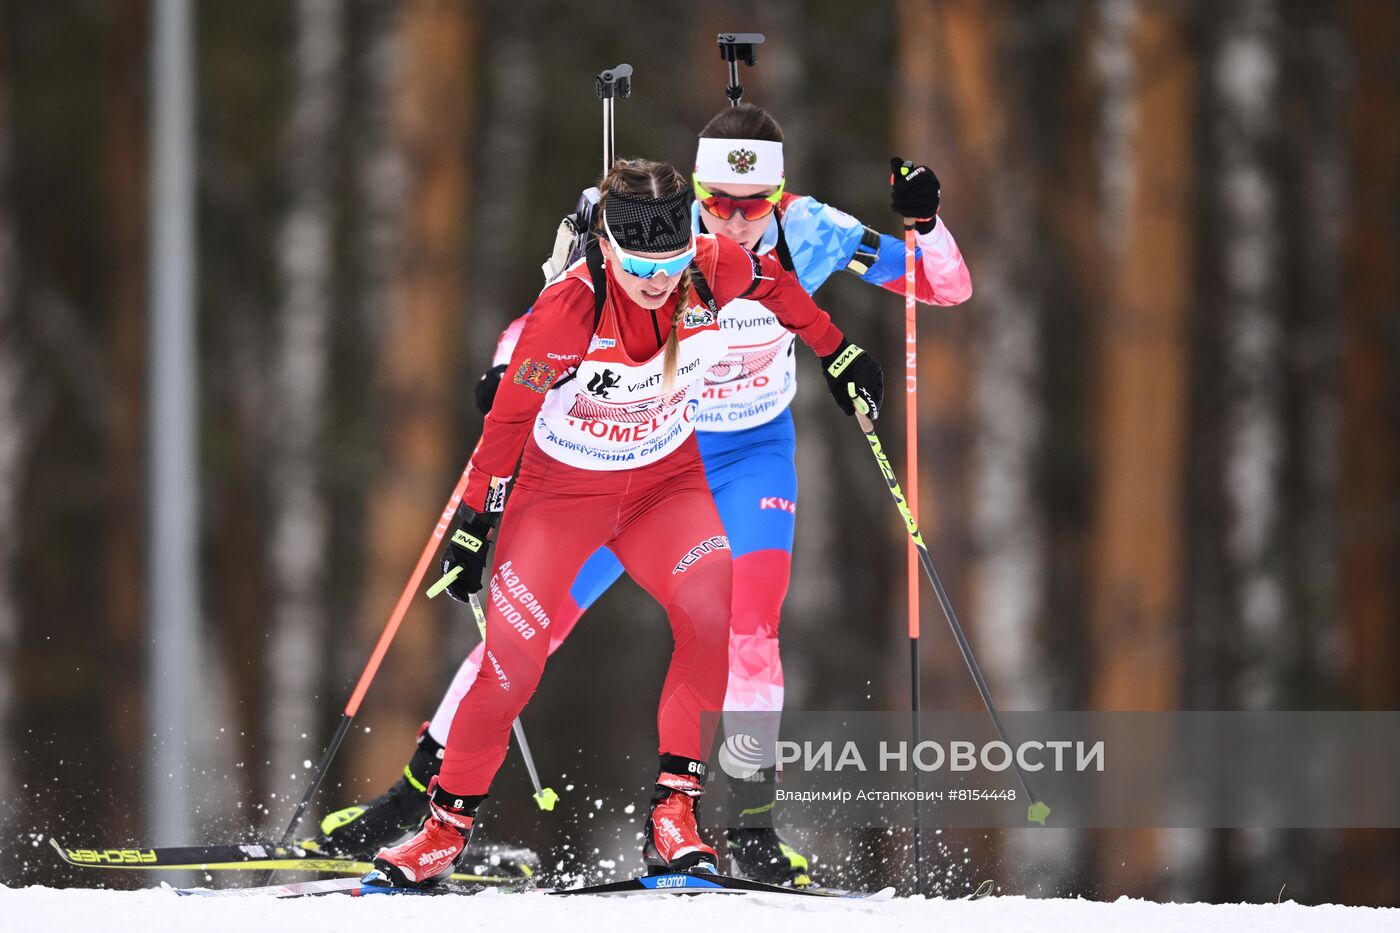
[756, 851]
[360, 831]
[761, 855]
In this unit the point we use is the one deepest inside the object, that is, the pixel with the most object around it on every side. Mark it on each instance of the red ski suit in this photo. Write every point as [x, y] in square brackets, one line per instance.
[658, 517]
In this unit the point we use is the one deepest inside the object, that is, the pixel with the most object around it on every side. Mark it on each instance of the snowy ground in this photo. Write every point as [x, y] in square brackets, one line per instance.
[147, 911]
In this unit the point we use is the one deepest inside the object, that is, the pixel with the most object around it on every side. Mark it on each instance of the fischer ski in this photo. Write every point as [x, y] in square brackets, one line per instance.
[486, 865]
[353, 887]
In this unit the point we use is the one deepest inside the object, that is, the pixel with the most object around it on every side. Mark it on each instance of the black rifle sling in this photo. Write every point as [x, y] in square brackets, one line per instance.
[594, 255]
[702, 289]
[784, 254]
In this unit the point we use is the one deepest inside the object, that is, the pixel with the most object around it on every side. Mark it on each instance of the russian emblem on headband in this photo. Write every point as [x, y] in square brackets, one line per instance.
[742, 160]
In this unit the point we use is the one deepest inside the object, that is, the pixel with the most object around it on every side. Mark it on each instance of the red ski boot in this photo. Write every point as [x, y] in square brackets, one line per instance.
[673, 841]
[431, 855]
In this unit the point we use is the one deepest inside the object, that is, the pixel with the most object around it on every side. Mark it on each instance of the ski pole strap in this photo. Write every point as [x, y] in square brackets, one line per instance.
[463, 538]
[867, 252]
[861, 406]
[846, 358]
[436, 589]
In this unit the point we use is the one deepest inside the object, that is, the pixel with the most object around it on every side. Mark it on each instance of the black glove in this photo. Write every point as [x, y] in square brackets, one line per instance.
[486, 388]
[855, 380]
[466, 548]
[914, 192]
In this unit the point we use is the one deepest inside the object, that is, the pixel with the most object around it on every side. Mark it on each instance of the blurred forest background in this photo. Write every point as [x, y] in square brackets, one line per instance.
[1160, 456]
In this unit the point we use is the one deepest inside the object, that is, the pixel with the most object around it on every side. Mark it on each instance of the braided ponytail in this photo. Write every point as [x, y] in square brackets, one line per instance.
[673, 340]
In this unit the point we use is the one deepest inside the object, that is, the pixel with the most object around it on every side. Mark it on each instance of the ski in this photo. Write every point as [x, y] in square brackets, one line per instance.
[488, 864]
[696, 883]
[353, 887]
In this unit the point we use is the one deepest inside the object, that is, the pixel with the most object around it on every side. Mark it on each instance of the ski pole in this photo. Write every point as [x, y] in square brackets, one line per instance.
[545, 797]
[911, 472]
[381, 647]
[1037, 810]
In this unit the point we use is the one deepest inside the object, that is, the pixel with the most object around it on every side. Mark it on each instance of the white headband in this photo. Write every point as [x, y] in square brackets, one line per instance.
[739, 161]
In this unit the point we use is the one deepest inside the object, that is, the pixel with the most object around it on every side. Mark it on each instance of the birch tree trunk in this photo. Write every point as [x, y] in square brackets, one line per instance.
[1245, 96]
[1316, 145]
[1245, 80]
[381, 179]
[299, 511]
[1008, 528]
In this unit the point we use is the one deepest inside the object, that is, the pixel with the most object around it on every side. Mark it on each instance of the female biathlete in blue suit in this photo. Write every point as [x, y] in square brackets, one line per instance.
[747, 442]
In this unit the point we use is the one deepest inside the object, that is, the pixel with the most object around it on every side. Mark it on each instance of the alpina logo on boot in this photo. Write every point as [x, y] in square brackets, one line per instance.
[434, 855]
[672, 831]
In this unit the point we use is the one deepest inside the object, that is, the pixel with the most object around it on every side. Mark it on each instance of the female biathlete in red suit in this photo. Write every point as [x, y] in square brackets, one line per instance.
[602, 404]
